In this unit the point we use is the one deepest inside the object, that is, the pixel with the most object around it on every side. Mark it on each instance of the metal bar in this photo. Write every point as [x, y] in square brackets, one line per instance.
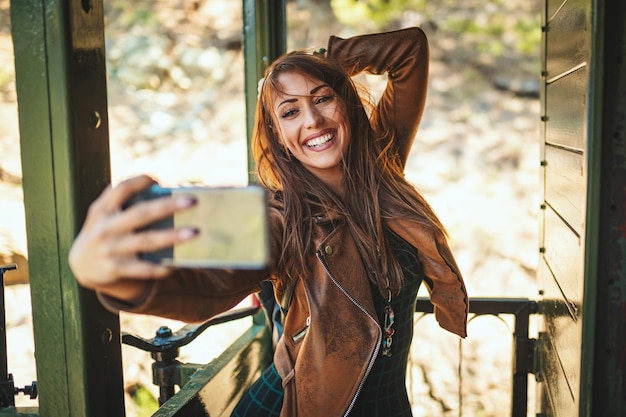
[167, 371]
[486, 305]
[185, 334]
[7, 388]
[521, 309]
[520, 360]
[215, 389]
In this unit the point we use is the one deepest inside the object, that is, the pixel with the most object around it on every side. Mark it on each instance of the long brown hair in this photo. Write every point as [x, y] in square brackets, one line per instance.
[374, 186]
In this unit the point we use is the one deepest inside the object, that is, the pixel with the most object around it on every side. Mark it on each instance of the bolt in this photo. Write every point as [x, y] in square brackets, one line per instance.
[107, 336]
[164, 332]
[95, 120]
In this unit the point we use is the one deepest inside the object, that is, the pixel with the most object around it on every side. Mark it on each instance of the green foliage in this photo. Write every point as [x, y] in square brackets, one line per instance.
[375, 13]
[144, 400]
[492, 27]
[528, 34]
[128, 14]
[496, 33]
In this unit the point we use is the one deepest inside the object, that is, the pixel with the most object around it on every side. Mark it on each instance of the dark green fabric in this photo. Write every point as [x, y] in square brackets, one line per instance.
[384, 392]
[264, 398]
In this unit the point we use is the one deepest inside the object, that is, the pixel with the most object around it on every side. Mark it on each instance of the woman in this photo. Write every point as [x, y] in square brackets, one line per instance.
[351, 238]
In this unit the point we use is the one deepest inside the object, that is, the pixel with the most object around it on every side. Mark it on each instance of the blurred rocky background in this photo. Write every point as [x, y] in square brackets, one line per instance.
[176, 106]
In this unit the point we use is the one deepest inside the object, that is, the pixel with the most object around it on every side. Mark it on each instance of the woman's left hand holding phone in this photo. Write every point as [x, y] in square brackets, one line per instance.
[105, 254]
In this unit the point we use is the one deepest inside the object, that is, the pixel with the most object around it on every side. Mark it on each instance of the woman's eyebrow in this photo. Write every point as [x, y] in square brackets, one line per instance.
[319, 87]
[289, 100]
[312, 92]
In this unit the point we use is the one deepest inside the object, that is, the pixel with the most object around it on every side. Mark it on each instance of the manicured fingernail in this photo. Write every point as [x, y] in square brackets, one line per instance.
[185, 201]
[188, 232]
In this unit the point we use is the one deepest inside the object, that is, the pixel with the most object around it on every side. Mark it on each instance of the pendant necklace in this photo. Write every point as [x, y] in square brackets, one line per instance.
[388, 321]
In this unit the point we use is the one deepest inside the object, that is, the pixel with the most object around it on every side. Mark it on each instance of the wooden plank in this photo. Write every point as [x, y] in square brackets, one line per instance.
[564, 256]
[559, 401]
[264, 40]
[566, 50]
[552, 6]
[61, 87]
[560, 344]
[566, 110]
[31, 83]
[567, 41]
[19, 412]
[565, 186]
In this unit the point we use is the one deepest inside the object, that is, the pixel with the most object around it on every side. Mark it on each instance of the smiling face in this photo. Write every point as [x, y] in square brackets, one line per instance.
[312, 125]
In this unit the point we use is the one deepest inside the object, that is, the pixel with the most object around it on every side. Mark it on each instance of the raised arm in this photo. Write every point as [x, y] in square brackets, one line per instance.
[403, 55]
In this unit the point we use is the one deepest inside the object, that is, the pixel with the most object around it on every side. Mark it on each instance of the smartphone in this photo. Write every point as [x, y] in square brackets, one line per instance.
[233, 227]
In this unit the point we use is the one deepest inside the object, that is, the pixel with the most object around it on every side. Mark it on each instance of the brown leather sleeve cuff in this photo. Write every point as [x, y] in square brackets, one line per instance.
[115, 305]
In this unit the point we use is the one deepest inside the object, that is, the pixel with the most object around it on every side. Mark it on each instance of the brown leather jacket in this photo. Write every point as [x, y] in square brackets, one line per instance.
[331, 334]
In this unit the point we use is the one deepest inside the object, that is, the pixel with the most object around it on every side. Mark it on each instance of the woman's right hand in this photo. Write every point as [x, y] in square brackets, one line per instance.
[104, 255]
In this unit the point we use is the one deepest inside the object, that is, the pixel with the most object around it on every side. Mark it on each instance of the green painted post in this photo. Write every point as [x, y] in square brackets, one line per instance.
[264, 39]
[603, 386]
[62, 101]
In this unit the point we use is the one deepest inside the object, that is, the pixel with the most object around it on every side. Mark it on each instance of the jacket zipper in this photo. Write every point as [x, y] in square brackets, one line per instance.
[302, 332]
[376, 349]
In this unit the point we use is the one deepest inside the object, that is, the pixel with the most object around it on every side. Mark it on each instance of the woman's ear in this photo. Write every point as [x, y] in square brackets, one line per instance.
[259, 87]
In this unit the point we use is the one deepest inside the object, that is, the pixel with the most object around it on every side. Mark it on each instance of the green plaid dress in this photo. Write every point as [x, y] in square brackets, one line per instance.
[384, 392]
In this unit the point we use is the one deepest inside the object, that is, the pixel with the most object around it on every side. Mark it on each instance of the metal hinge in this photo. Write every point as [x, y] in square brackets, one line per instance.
[526, 362]
[537, 363]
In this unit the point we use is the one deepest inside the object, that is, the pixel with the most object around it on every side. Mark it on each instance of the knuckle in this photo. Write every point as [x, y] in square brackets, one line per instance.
[95, 208]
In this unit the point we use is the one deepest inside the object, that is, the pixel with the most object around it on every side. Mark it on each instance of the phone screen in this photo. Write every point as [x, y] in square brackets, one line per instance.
[233, 227]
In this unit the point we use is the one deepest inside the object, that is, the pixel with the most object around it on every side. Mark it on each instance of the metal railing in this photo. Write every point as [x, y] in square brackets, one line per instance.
[165, 346]
[8, 390]
[167, 371]
[524, 347]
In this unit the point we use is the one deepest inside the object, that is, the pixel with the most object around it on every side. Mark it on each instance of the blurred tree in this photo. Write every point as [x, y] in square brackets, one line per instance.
[378, 14]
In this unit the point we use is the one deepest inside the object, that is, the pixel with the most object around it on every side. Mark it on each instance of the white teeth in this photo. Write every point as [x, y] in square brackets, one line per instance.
[319, 141]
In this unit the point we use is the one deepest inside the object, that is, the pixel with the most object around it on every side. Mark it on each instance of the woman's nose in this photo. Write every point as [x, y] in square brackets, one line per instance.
[313, 117]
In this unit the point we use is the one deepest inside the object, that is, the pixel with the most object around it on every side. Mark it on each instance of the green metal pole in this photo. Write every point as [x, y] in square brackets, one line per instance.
[62, 101]
[264, 39]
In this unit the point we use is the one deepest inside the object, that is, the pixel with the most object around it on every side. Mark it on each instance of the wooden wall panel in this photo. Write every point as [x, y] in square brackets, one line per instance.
[566, 110]
[560, 347]
[567, 38]
[563, 255]
[565, 185]
[553, 5]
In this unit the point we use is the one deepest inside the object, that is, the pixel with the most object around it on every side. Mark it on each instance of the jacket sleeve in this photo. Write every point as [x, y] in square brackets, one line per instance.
[403, 55]
[442, 276]
[194, 295]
